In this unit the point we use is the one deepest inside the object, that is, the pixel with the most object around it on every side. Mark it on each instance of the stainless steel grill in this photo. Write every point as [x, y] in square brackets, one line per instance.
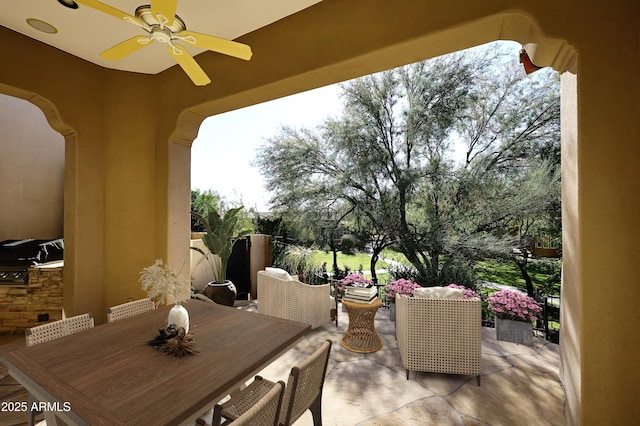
[16, 256]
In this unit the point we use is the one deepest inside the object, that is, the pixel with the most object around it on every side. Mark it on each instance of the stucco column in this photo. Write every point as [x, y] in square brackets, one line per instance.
[600, 345]
[84, 217]
[178, 223]
[571, 308]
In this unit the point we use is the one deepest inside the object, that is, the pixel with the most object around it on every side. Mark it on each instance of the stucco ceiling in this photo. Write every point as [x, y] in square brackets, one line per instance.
[86, 32]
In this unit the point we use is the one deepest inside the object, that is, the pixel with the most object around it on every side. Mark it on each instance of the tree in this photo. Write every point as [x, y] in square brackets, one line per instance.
[390, 157]
[199, 202]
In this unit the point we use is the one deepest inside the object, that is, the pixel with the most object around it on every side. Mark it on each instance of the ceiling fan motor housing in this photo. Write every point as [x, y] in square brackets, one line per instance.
[162, 35]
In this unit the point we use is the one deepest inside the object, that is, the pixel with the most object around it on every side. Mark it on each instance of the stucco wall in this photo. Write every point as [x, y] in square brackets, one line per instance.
[31, 173]
[128, 136]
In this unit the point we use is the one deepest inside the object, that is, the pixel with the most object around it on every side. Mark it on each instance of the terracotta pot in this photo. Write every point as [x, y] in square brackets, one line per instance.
[221, 293]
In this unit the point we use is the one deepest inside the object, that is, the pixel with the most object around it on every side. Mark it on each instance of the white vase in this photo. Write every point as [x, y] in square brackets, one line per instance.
[179, 316]
[392, 310]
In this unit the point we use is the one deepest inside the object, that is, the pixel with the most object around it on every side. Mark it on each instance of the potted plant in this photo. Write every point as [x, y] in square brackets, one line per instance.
[353, 279]
[467, 293]
[399, 286]
[514, 313]
[299, 261]
[164, 285]
[219, 239]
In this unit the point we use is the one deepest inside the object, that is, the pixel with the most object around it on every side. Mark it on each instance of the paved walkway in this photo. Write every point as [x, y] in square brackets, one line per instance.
[519, 384]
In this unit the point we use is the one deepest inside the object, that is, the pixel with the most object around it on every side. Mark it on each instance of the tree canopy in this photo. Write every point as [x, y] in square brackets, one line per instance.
[441, 158]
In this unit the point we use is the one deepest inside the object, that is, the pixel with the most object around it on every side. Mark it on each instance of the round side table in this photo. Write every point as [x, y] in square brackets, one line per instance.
[361, 334]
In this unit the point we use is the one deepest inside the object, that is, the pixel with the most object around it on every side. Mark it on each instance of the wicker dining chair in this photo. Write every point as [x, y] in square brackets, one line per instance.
[129, 309]
[259, 404]
[303, 391]
[53, 330]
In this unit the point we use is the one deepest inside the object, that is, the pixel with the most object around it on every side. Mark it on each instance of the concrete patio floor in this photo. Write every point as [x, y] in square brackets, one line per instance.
[519, 385]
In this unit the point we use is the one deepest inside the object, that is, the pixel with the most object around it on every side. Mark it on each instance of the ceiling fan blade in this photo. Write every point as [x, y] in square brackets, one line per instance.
[165, 8]
[126, 48]
[105, 8]
[189, 65]
[221, 45]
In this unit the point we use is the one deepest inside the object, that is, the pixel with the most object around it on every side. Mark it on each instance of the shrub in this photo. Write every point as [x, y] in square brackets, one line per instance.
[347, 243]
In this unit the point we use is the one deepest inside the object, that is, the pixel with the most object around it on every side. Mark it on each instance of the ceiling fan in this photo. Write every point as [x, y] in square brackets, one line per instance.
[160, 22]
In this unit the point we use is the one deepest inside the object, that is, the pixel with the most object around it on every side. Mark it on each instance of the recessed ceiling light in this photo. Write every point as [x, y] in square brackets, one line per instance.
[68, 3]
[39, 25]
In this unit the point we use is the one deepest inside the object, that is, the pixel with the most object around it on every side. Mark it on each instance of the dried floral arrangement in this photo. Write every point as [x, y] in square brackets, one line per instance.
[174, 342]
[164, 285]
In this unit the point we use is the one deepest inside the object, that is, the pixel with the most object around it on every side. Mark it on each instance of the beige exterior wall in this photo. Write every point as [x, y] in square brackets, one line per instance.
[31, 173]
[128, 136]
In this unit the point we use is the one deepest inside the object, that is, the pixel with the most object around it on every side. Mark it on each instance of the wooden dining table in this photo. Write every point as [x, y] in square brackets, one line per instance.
[109, 375]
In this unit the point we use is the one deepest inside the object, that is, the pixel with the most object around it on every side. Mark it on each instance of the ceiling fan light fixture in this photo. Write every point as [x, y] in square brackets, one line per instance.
[68, 3]
[144, 14]
[43, 26]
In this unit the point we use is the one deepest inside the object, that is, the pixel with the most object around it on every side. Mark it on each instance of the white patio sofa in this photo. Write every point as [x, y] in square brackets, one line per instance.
[440, 335]
[283, 296]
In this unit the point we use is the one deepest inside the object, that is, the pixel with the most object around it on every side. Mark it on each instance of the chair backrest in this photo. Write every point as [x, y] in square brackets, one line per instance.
[129, 309]
[304, 387]
[53, 330]
[266, 411]
[440, 335]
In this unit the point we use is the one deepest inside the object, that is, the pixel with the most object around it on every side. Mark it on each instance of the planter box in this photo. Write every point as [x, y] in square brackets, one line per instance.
[514, 331]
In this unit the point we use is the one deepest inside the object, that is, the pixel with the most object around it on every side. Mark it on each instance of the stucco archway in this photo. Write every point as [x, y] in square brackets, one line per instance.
[516, 26]
[132, 143]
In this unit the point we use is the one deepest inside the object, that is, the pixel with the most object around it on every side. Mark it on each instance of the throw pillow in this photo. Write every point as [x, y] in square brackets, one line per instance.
[438, 293]
[278, 273]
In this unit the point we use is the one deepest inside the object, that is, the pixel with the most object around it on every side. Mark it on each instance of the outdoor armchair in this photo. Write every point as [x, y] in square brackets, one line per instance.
[291, 299]
[439, 335]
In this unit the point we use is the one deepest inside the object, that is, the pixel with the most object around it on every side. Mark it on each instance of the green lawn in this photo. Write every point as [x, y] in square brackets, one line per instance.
[508, 273]
[496, 271]
[394, 255]
[353, 261]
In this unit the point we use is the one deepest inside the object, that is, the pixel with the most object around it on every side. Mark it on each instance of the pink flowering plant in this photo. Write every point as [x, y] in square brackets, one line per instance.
[355, 280]
[400, 286]
[467, 292]
[508, 304]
